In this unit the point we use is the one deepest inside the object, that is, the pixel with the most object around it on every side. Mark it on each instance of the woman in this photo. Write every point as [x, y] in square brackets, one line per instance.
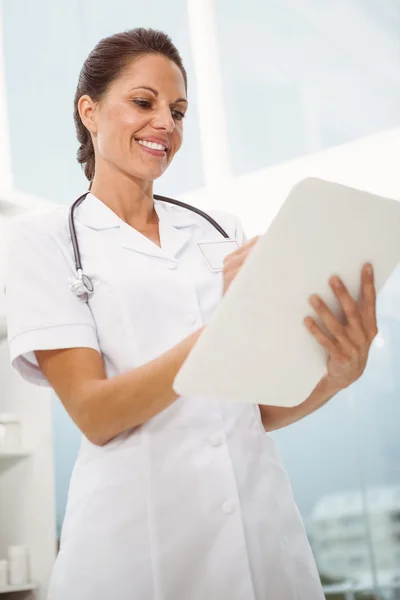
[171, 498]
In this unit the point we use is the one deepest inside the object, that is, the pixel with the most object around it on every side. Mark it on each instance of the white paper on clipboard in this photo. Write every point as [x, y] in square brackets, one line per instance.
[256, 349]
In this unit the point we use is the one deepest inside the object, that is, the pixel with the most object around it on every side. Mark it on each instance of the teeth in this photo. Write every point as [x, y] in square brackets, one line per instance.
[152, 145]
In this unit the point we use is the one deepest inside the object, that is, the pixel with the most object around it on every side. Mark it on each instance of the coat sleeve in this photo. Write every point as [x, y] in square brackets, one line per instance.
[42, 312]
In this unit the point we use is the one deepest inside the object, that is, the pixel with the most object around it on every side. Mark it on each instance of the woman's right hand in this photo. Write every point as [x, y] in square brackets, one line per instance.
[234, 261]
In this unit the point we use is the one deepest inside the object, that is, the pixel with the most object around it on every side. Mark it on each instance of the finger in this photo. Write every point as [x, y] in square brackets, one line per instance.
[368, 301]
[246, 247]
[237, 257]
[252, 241]
[355, 331]
[333, 326]
[324, 340]
[233, 263]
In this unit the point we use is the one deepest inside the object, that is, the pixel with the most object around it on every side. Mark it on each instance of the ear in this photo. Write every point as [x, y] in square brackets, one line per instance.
[88, 113]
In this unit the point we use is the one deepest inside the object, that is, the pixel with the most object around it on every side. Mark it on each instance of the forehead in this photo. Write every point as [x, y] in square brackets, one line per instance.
[155, 71]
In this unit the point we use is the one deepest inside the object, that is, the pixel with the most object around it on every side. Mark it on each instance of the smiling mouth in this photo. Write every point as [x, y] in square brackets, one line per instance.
[152, 146]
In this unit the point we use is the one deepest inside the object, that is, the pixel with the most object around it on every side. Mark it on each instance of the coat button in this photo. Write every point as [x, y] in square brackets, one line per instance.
[215, 440]
[228, 507]
[172, 266]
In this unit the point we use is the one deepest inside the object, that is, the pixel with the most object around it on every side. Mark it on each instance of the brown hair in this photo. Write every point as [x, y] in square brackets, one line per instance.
[104, 65]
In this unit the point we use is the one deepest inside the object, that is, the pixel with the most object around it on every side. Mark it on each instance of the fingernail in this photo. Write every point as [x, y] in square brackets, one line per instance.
[308, 322]
[336, 282]
[369, 269]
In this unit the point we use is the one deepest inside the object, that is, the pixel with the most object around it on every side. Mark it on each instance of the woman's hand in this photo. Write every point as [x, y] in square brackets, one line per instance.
[234, 261]
[347, 344]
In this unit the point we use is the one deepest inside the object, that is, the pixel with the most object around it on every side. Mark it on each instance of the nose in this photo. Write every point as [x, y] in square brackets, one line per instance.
[164, 120]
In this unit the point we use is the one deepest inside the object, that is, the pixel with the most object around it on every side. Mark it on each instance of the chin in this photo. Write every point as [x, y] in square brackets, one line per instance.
[148, 174]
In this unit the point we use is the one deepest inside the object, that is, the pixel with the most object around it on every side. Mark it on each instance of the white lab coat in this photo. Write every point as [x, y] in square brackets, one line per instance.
[195, 504]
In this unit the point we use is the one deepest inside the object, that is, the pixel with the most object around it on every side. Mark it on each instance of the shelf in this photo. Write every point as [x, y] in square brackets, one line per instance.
[18, 588]
[10, 458]
[4, 454]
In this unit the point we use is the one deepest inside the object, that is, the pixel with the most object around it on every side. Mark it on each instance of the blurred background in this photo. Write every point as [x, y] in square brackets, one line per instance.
[279, 90]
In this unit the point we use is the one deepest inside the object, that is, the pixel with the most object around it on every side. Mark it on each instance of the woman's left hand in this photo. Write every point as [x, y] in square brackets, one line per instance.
[348, 343]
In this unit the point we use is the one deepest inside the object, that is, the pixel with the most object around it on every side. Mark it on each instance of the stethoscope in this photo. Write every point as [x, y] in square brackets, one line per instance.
[81, 284]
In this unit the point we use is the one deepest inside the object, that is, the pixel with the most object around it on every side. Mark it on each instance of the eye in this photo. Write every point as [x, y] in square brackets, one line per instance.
[178, 115]
[143, 103]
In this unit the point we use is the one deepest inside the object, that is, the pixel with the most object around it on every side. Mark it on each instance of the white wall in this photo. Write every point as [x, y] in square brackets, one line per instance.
[27, 504]
[371, 164]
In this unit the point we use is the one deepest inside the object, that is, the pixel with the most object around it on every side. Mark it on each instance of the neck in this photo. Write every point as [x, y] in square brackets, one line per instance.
[131, 199]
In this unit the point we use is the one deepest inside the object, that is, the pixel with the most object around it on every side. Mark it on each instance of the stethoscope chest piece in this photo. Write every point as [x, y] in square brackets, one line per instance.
[81, 285]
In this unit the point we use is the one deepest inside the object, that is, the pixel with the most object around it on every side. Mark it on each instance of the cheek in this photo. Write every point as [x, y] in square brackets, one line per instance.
[118, 129]
[109, 136]
[177, 141]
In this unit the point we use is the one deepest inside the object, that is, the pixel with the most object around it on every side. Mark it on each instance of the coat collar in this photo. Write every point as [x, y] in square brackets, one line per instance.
[174, 225]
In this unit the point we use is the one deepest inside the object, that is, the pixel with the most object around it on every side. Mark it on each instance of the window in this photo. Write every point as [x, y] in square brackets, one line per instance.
[303, 76]
[357, 561]
[41, 84]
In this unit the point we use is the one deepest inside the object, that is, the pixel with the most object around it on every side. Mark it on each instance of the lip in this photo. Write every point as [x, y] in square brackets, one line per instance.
[154, 140]
[152, 151]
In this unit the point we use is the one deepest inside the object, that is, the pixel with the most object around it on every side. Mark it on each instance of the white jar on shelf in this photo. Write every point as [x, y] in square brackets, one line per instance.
[3, 574]
[10, 432]
[18, 557]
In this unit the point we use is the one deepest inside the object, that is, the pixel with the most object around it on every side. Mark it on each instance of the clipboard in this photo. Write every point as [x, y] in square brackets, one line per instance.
[256, 349]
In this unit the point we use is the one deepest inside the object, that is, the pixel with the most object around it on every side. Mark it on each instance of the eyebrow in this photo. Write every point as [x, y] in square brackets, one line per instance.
[150, 89]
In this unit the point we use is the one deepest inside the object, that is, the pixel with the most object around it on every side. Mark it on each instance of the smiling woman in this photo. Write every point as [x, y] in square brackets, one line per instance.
[179, 498]
[112, 116]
